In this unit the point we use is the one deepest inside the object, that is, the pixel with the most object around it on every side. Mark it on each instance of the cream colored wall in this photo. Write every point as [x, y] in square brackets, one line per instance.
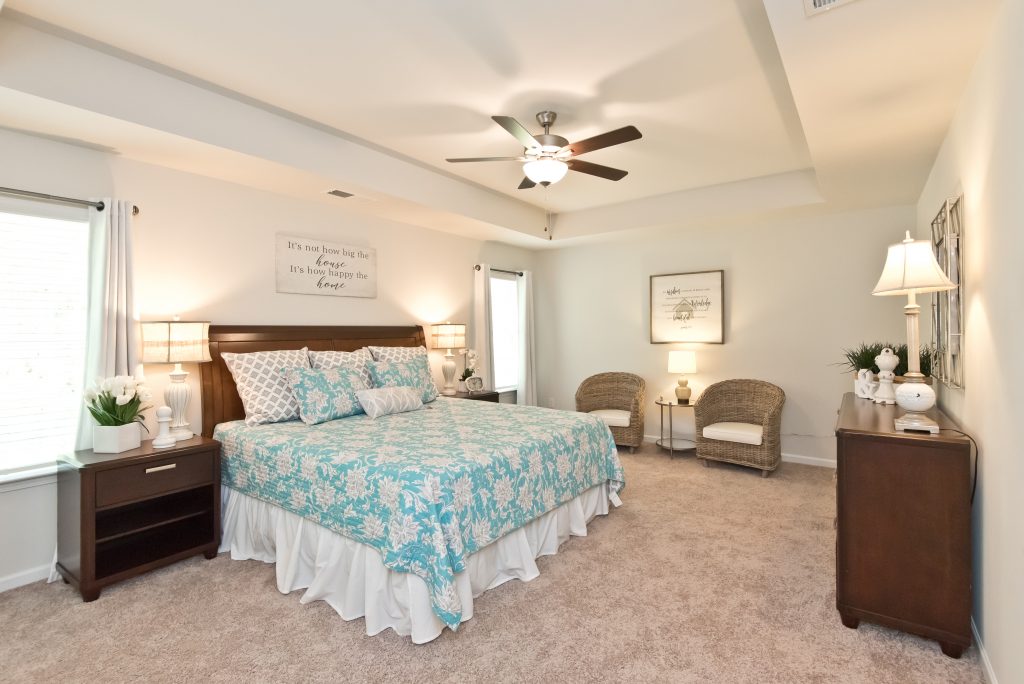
[204, 249]
[797, 293]
[983, 157]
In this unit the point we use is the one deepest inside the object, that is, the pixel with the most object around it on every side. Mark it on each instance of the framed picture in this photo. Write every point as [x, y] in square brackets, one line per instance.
[688, 307]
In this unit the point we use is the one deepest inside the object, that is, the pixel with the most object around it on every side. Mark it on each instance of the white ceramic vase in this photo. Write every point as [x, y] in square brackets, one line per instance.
[113, 439]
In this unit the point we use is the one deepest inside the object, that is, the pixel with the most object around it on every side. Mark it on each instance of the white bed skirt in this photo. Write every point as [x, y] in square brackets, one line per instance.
[351, 576]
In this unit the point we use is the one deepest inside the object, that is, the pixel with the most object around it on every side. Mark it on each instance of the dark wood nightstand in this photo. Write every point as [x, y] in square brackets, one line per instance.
[120, 515]
[482, 395]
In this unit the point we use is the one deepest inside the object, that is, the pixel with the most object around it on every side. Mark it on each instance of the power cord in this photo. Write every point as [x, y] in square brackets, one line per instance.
[977, 455]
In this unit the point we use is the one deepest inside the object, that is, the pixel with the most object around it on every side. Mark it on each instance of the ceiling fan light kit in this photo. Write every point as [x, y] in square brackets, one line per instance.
[545, 171]
[547, 157]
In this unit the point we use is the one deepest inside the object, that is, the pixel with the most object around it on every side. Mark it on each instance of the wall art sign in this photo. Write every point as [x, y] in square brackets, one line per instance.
[688, 307]
[319, 267]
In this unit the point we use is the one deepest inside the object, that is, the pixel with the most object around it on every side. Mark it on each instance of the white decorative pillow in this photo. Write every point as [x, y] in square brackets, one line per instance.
[383, 401]
[326, 360]
[264, 391]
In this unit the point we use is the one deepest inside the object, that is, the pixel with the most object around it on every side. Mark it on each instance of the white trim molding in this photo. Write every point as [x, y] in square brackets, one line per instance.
[20, 579]
[986, 664]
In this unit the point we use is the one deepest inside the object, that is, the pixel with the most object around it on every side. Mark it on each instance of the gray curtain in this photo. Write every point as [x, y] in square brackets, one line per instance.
[482, 324]
[526, 394]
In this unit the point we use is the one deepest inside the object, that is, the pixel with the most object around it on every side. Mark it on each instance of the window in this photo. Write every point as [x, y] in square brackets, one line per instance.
[43, 302]
[505, 330]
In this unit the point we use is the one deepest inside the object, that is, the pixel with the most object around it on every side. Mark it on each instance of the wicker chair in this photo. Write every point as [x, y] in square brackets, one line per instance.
[733, 409]
[616, 392]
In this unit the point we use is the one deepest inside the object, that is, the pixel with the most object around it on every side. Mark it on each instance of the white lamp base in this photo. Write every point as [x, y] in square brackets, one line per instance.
[448, 370]
[915, 397]
[917, 422]
[177, 396]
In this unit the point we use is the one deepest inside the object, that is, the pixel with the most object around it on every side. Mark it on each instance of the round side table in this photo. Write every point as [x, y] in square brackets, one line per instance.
[673, 444]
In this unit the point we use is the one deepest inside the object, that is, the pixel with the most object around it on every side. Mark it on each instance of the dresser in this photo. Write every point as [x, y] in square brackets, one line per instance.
[120, 515]
[903, 526]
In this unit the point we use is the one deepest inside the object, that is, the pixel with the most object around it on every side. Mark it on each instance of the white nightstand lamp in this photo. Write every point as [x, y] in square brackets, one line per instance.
[911, 269]
[176, 342]
[682, 362]
[449, 336]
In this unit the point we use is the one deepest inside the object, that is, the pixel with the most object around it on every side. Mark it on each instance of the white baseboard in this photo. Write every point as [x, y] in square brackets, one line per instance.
[986, 664]
[20, 579]
[790, 458]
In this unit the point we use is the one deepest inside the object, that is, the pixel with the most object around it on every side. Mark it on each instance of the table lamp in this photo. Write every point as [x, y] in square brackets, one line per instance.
[682, 362]
[176, 342]
[911, 269]
[449, 336]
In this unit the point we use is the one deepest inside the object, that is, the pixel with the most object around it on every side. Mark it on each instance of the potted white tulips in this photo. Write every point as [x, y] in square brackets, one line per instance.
[116, 405]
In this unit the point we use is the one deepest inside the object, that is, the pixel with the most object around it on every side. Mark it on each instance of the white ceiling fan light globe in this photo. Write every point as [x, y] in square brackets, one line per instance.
[545, 170]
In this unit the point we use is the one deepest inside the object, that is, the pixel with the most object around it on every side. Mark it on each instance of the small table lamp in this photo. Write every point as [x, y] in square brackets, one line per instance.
[911, 269]
[682, 362]
[176, 342]
[449, 336]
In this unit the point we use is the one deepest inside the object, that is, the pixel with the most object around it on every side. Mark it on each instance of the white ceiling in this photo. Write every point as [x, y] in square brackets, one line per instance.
[723, 91]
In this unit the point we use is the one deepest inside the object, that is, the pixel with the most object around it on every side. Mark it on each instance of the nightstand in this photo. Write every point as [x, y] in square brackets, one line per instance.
[670, 441]
[120, 515]
[482, 395]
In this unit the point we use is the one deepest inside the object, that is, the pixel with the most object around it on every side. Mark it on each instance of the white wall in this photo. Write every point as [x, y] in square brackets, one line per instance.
[983, 157]
[798, 291]
[204, 249]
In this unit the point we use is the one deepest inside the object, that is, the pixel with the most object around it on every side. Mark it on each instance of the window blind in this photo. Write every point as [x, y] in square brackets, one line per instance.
[43, 305]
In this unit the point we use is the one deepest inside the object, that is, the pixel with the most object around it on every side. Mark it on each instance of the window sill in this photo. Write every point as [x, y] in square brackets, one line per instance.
[30, 476]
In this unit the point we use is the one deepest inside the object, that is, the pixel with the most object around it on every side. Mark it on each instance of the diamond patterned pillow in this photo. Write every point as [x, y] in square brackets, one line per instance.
[263, 389]
[401, 354]
[339, 359]
[325, 395]
[414, 373]
[383, 401]
[390, 354]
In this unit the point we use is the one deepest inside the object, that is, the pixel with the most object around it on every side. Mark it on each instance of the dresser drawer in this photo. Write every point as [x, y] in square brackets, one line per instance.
[153, 478]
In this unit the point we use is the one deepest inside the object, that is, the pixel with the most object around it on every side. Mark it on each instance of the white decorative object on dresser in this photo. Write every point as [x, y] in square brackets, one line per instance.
[176, 342]
[911, 269]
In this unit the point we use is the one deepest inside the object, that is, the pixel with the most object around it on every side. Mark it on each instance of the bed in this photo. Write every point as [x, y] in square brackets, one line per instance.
[401, 520]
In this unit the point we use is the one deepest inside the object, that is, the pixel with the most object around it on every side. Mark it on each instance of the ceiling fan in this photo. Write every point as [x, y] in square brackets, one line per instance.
[548, 157]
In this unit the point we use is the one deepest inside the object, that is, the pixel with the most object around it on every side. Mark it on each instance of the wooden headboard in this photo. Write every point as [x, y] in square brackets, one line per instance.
[221, 402]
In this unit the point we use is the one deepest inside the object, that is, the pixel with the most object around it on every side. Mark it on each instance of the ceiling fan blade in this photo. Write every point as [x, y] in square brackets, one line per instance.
[616, 137]
[483, 159]
[596, 169]
[526, 184]
[518, 130]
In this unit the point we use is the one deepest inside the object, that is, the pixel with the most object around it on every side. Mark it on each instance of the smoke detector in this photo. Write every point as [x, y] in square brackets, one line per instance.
[815, 7]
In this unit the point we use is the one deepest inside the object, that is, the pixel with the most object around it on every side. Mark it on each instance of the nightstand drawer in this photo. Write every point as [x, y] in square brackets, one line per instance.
[153, 478]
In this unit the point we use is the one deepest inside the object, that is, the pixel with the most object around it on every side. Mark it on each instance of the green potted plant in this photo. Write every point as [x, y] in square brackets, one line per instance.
[116, 406]
[863, 357]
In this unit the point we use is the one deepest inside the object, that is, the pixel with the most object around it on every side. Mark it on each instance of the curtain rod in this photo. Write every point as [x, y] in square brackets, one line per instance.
[500, 270]
[100, 206]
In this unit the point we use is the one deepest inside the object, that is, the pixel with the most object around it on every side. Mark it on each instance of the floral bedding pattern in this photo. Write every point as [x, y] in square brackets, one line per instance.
[413, 373]
[325, 394]
[426, 488]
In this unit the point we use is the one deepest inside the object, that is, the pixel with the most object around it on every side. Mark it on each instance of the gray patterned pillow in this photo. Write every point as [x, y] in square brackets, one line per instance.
[383, 401]
[264, 391]
[325, 360]
[402, 354]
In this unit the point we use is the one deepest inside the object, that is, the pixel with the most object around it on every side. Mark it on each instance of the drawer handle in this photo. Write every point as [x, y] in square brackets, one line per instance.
[157, 469]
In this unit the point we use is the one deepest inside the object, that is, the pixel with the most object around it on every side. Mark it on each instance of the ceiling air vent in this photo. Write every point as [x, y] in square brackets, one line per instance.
[339, 193]
[815, 7]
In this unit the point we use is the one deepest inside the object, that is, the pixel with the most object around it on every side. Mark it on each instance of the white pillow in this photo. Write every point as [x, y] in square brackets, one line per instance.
[262, 386]
[326, 360]
[383, 401]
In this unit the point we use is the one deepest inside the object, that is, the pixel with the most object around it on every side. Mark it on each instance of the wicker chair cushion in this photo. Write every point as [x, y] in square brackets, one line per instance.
[744, 433]
[612, 417]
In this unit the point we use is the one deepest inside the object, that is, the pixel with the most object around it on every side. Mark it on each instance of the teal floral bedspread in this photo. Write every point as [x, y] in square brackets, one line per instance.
[425, 488]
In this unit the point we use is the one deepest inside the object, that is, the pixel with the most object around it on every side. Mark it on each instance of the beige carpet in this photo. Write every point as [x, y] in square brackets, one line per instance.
[703, 575]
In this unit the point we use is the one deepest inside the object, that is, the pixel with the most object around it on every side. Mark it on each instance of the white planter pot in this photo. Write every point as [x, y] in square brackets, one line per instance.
[113, 439]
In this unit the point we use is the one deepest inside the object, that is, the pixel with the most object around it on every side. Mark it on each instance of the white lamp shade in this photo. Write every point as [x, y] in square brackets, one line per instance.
[175, 341]
[910, 267]
[682, 362]
[545, 170]
[449, 335]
